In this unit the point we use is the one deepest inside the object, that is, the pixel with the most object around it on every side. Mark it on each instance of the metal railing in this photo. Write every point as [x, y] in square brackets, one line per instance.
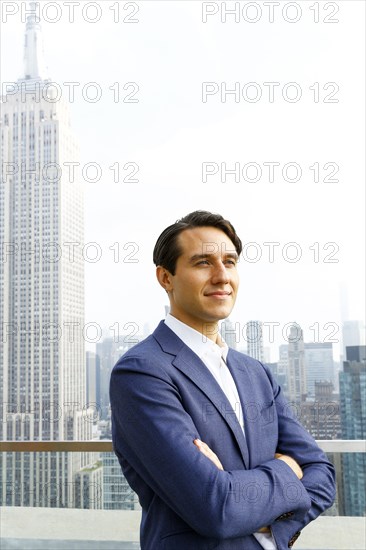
[105, 446]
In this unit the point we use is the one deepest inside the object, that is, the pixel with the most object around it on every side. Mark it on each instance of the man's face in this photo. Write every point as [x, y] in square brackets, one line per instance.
[204, 287]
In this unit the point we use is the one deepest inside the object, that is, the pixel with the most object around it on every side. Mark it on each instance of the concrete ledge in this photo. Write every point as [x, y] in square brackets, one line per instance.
[18, 522]
[333, 533]
[62, 529]
[45, 544]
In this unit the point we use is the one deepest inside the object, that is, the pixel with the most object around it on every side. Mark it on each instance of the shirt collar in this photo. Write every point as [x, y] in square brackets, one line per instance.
[196, 340]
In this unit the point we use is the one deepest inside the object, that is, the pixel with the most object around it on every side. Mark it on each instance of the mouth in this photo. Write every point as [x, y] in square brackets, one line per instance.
[218, 294]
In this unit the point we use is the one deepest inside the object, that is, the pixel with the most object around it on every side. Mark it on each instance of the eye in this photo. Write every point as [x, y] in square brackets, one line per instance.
[232, 262]
[202, 262]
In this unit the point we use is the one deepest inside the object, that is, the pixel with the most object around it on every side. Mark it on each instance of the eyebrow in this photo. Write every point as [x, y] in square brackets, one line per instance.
[196, 257]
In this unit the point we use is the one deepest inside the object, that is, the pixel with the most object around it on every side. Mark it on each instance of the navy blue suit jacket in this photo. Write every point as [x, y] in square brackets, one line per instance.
[162, 398]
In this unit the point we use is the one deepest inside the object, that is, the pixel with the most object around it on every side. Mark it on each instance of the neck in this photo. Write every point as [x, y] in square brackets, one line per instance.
[209, 330]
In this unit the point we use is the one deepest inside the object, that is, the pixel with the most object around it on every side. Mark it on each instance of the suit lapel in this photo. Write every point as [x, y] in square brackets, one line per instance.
[241, 375]
[193, 367]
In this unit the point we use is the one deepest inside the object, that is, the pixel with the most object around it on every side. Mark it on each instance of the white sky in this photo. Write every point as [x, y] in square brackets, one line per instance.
[170, 132]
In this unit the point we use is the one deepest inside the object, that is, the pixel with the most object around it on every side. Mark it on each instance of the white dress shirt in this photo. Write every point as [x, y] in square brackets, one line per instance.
[214, 357]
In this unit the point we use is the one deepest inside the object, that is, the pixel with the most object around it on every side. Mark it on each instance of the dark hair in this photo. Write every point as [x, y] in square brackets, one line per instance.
[167, 250]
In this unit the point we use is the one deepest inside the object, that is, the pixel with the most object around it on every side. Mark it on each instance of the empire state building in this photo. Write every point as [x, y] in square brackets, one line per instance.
[42, 357]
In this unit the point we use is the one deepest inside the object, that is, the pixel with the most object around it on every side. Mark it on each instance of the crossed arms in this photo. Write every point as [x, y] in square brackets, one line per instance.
[205, 449]
[154, 433]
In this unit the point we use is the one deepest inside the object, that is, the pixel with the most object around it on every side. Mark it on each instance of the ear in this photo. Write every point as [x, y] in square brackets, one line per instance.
[164, 277]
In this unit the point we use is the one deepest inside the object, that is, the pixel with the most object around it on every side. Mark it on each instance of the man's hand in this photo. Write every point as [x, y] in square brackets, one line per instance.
[292, 463]
[205, 449]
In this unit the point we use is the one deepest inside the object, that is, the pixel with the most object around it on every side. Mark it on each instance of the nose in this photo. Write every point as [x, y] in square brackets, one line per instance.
[220, 274]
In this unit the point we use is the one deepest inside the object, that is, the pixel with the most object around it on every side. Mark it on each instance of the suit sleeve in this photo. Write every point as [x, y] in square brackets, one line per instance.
[319, 474]
[154, 433]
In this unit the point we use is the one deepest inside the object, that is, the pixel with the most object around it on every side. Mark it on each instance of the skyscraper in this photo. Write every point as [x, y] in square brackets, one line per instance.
[282, 368]
[320, 415]
[93, 379]
[353, 334]
[352, 386]
[319, 364]
[117, 494]
[42, 363]
[254, 338]
[296, 376]
[108, 352]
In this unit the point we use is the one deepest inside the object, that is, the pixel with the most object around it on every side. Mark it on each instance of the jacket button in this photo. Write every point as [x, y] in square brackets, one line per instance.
[285, 515]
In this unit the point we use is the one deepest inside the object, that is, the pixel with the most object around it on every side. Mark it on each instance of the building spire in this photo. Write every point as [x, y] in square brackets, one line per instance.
[34, 63]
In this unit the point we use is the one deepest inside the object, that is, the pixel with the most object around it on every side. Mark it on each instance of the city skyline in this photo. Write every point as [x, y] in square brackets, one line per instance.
[170, 134]
[42, 375]
[302, 265]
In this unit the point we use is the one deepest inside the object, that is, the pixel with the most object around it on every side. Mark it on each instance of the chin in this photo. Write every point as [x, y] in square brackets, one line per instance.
[222, 314]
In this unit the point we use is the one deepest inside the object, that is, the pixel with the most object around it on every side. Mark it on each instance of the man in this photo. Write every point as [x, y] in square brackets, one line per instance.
[202, 432]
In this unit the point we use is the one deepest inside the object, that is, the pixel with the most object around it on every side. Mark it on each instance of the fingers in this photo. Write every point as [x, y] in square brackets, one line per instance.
[293, 465]
[205, 449]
